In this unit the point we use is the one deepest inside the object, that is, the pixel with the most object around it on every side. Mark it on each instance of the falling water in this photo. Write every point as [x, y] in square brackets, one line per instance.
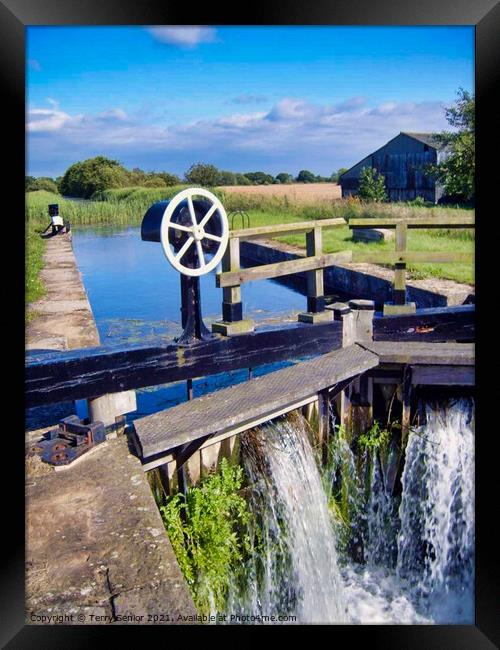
[294, 568]
[436, 540]
[417, 549]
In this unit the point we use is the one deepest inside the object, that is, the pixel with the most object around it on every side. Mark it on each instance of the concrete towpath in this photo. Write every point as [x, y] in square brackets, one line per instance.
[64, 319]
[96, 548]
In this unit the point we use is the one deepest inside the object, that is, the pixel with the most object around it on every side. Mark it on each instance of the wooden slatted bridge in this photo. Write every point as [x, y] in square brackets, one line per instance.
[176, 433]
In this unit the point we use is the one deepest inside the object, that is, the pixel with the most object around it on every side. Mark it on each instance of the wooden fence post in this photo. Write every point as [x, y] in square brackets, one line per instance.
[355, 403]
[315, 283]
[399, 304]
[232, 309]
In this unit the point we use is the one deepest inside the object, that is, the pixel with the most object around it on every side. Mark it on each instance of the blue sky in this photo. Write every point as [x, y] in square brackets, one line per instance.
[242, 98]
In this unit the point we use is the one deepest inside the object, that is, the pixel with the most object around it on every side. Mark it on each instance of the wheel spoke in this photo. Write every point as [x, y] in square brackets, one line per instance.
[213, 237]
[178, 226]
[201, 256]
[191, 211]
[208, 215]
[184, 248]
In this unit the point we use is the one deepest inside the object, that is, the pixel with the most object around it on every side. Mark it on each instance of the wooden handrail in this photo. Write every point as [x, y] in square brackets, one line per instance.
[316, 260]
[420, 257]
[279, 269]
[436, 222]
[260, 232]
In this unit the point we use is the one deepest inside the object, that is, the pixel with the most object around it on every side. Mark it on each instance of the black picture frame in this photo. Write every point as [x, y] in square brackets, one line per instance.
[485, 15]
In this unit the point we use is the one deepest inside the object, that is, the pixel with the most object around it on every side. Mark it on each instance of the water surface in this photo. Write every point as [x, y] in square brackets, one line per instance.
[135, 297]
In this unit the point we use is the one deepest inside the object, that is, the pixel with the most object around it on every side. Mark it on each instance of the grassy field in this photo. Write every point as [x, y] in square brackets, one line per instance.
[34, 288]
[127, 206]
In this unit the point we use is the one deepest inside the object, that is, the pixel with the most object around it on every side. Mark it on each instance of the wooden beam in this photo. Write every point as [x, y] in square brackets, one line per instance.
[399, 285]
[55, 376]
[406, 404]
[436, 222]
[438, 375]
[80, 374]
[428, 325]
[286, 228]
[279, 269]
[443, 354]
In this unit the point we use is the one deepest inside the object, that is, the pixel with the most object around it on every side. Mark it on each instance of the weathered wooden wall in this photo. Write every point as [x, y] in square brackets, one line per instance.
[401, 161]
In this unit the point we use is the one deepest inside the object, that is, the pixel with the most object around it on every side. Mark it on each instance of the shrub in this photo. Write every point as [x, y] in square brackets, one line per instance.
[93, 175]
[372, 185]
[211, 540]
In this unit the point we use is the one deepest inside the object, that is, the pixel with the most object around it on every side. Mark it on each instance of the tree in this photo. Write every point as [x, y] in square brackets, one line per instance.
[226, 178]
[305, 176]
[93, 175]
[284, 178]
[202, 174]
[241, 179]
[47, 184]
[30, 184]
[169, 179]
[457, 170]
[371, 185]
[335, 177]
[260, 178]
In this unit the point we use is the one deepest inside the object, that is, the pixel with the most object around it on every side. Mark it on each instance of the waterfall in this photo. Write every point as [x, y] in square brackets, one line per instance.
[436, 539]
[294, 568]
[407, 558]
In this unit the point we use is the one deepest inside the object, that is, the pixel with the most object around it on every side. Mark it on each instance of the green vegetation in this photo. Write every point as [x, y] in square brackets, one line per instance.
[340, 238]
[34, 288]
[32, 184]
[457, 171]
[209, 534]
[121, 206]
[85, 178]
[342, 487]
[127, 206]
[305, 176]
[372, 186]
[201, 174]
[374, 438]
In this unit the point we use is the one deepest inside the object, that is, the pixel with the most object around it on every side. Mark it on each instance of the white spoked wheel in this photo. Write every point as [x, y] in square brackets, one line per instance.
[196, 232]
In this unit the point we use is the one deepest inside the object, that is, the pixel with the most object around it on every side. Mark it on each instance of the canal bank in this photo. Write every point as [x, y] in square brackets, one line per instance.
[96, 547]
[64, 318]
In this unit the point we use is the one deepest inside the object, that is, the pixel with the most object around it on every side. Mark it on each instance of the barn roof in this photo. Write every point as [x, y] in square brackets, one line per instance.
[427, 138]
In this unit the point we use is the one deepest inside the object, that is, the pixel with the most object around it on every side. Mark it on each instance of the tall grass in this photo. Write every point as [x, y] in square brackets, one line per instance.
[82, 212]
[34, 288]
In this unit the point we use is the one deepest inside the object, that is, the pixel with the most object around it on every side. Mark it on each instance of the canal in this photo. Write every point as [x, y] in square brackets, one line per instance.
[135, 298]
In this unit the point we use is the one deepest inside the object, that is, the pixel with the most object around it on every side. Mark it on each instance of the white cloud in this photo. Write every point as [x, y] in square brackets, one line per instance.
[293, 134]
[47, 120]
[183, 35]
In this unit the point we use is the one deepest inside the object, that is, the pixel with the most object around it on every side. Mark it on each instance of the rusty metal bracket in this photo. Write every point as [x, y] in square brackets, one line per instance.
[72, 439]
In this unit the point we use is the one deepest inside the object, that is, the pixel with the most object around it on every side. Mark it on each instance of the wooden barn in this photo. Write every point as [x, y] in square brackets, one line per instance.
[402, 161]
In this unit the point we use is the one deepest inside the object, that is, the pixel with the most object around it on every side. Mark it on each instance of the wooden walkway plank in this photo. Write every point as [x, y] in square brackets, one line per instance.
[256, 400]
